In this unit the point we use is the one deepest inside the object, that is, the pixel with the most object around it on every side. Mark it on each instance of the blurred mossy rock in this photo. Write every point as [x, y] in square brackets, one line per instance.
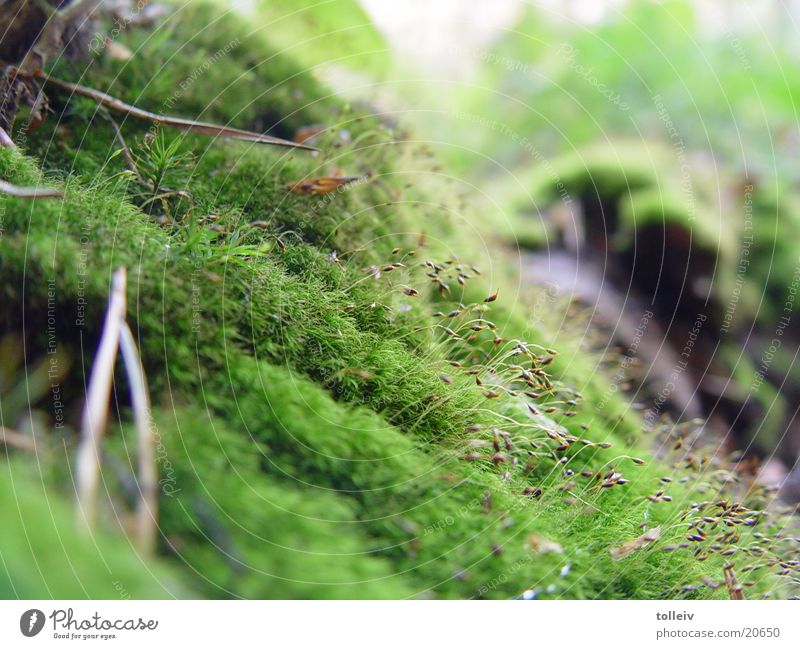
[45, 554]
[22, 23]
[32, 37]
[621, 189]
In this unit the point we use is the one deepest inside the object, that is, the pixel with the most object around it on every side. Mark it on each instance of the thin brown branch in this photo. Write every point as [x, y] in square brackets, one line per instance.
[191, 126]
[168, 194]
[126, 152]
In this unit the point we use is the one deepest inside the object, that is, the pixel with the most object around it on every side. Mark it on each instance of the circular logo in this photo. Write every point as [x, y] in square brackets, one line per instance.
[31, 622]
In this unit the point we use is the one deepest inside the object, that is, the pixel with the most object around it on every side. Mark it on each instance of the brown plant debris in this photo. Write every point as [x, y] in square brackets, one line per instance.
[319, 186]
[541, 545]
[629, 547]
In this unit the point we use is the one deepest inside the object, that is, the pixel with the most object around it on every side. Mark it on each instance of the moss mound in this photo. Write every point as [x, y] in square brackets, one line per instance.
[312, 362]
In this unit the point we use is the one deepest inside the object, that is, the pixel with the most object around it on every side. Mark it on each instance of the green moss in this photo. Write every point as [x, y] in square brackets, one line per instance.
[324, 36]
[308, 444]
[44, 555]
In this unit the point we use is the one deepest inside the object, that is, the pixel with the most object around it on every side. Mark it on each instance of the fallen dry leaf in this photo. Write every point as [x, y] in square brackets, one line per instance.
[38, 113]
[118, 51]
[540, 545]
[629, 547]
[359, 373]
[307, 132]
[319, 186]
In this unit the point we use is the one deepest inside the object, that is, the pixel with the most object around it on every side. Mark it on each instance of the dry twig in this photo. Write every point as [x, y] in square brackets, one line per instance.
[126, 152]
[28, 192]
[191, 126]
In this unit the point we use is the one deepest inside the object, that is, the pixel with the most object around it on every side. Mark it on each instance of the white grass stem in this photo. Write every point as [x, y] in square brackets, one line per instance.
[147, 479]
[95, 413]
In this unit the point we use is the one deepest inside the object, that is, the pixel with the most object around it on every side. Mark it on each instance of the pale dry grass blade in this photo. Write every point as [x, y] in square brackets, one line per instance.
[5, 140]
[29, 192]
[14, 439]
[147, 479]
[95, 414]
